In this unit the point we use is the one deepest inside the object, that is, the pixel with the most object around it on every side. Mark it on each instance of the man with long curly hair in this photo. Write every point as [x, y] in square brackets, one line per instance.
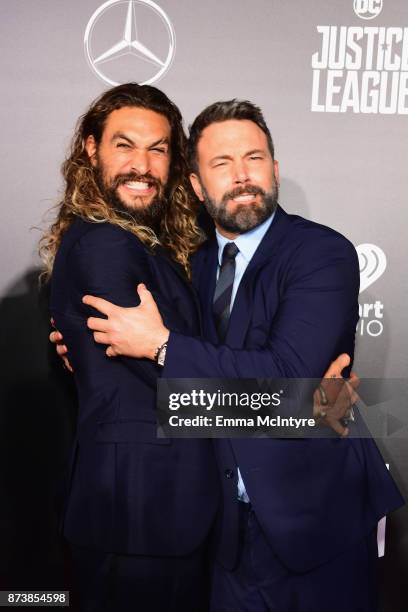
[138, 508]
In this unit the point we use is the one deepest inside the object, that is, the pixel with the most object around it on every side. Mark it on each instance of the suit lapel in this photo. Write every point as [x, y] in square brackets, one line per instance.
[205, 281]
[244, 301]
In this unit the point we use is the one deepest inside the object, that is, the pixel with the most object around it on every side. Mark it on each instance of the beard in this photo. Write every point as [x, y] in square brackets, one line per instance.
[244, 217]
[149, 215]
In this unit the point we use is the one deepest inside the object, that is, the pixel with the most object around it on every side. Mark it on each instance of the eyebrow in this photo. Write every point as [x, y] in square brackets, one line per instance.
[229, 157]
[220, 157]
[164, 140]
[261, 151]
[117, 135]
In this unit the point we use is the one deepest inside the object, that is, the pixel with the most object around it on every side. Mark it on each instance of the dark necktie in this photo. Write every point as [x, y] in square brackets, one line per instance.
[223, 289]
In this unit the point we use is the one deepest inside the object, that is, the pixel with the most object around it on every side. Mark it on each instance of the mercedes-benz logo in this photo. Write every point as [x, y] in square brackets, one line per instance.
[117, 58]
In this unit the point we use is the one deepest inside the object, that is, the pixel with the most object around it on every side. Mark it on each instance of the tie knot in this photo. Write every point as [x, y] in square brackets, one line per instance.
[230, 252]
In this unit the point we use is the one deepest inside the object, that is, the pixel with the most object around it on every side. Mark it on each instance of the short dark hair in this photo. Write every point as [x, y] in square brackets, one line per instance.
[223, 111]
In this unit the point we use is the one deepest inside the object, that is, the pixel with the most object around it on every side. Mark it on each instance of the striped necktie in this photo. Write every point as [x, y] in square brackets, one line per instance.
[223, 289]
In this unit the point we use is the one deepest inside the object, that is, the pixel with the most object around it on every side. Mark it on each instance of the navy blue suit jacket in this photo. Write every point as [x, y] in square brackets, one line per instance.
[129, 491]
[295, 310]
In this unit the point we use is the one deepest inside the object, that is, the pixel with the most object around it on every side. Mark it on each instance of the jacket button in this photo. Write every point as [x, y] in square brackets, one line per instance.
[229, 473]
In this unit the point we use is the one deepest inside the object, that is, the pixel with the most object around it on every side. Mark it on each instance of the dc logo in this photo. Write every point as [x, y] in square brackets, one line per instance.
[372, 262]
[368, 9]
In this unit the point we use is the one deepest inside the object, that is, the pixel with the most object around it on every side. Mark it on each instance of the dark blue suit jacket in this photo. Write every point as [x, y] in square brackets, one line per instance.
[295, 310]
[129, 491]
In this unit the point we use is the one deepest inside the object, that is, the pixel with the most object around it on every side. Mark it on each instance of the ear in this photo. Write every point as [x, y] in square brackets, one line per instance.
[90, 147]
[196, 185]
[276, 171]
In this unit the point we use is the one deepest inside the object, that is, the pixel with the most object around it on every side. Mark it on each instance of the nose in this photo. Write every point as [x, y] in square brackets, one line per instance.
[140, 162]
[240, 172]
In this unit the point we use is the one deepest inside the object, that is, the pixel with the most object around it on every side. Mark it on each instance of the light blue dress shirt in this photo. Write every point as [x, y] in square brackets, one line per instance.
[247, 244]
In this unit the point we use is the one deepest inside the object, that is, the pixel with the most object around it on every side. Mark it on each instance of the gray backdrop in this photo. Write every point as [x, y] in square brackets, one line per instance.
[337, 110]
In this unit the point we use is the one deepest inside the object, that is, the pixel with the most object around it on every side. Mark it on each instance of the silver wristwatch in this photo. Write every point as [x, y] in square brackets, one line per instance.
[160, 356]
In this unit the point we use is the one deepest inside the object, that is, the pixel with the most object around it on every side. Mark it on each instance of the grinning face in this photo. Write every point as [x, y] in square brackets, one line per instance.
[237, 178]
[132, 160]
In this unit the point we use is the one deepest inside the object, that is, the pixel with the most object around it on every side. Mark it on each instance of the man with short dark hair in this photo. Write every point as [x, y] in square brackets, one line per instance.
[279, 298]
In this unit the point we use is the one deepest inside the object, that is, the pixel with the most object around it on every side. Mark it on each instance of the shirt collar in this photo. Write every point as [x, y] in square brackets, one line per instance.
[248, 242]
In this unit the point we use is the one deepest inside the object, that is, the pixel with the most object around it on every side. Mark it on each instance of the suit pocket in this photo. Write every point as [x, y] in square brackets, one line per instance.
[136, 432]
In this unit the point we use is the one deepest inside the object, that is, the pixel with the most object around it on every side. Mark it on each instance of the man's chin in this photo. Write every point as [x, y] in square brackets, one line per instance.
[241, 217]
[241, 224]
[148, 214]
[136, 203]
[245, 218]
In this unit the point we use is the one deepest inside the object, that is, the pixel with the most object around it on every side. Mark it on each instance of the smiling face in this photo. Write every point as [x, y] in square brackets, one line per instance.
[132, 160]
[237, 178]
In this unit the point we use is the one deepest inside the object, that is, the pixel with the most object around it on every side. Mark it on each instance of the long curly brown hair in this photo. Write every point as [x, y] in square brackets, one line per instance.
[178, 231]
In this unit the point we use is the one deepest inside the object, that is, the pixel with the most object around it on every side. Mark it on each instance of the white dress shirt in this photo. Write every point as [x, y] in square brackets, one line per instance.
[247, 244]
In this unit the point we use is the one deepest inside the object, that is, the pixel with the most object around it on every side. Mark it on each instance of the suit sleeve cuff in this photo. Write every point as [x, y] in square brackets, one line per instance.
[173, 364]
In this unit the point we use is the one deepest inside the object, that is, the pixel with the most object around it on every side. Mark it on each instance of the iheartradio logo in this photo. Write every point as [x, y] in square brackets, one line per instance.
[373, 263]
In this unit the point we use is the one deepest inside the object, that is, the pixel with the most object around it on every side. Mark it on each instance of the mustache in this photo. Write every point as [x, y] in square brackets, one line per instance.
[248, 189]
[121, 179]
